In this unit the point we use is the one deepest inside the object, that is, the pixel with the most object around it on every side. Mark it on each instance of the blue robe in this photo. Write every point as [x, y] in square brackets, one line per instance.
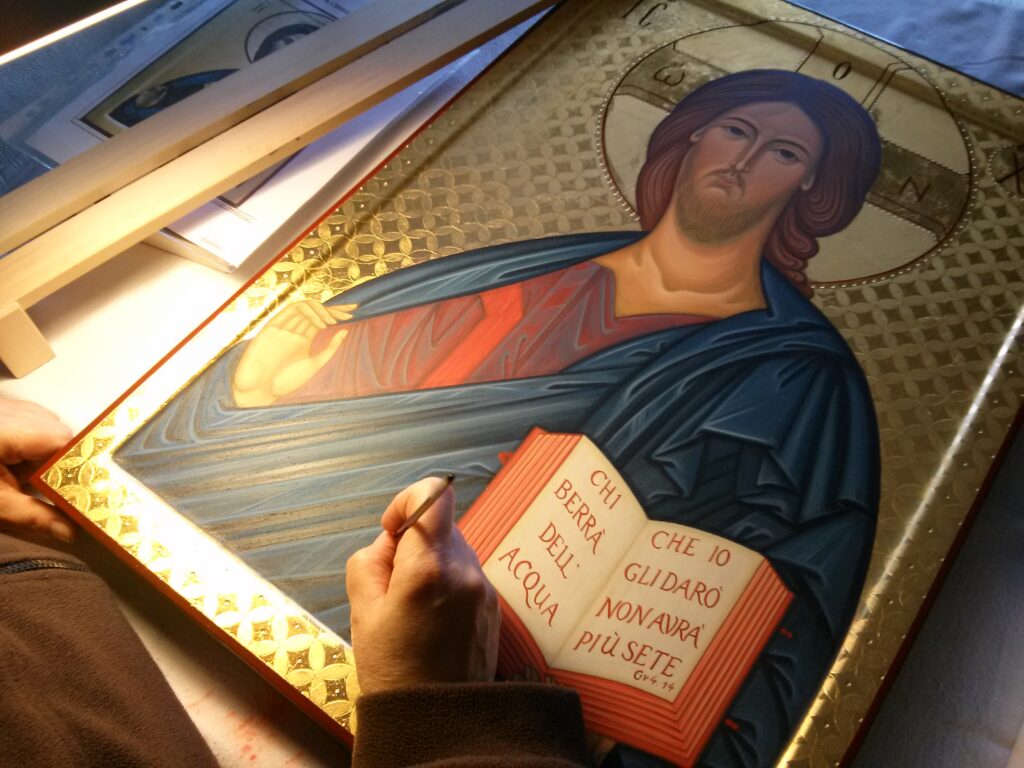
[758, 427]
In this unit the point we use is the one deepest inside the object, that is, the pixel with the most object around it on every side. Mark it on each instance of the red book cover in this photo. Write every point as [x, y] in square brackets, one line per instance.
[654, 624]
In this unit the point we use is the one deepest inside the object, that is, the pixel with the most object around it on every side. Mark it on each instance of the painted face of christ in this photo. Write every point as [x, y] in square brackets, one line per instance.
[743, 169]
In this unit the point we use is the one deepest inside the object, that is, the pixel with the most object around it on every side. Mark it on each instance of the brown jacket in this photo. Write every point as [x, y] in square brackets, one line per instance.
[490, 725]
[77, 688]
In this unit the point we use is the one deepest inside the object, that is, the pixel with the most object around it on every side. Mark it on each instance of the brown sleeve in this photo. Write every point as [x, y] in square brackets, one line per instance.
[497, 725]
[78, 686]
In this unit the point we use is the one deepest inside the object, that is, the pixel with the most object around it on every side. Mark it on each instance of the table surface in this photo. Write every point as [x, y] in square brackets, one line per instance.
[123, 317]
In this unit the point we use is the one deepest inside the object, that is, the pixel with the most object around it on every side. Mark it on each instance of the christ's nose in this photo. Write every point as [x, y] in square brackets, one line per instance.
[741, 163]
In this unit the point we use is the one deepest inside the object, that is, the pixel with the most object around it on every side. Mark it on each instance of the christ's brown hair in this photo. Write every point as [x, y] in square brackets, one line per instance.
[850, 159]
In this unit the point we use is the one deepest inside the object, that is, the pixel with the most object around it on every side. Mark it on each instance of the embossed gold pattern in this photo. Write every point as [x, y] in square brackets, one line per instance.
[516, 158]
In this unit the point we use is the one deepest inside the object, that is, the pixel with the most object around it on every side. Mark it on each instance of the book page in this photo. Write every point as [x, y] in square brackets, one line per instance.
[560, 551]
[660, 609]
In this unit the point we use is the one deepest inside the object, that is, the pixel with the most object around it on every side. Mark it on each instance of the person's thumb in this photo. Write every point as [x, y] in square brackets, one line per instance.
[434, 527]
[368, 572]
[18, 510]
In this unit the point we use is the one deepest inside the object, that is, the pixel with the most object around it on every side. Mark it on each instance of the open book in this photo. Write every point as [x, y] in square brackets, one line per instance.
[655, 624]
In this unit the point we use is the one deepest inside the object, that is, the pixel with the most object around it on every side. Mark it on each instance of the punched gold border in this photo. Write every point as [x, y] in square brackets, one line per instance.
[903, 268]
[937, 343]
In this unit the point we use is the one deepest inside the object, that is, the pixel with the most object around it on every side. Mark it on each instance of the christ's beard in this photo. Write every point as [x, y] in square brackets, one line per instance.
[707, 220]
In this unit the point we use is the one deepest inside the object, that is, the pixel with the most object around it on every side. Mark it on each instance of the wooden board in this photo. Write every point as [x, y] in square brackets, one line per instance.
[817, 429]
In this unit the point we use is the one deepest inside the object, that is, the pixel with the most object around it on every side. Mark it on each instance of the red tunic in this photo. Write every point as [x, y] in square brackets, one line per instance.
[534, 328]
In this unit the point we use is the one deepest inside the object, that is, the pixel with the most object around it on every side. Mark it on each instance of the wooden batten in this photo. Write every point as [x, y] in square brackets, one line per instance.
[22, 346]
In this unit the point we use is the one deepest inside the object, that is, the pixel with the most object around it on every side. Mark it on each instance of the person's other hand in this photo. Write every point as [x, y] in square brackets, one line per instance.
[28, 434]
[422, 609]
[280, 358]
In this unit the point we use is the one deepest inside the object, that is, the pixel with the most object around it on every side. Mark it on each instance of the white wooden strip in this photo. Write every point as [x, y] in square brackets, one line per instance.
[77, 245]
[83, 180]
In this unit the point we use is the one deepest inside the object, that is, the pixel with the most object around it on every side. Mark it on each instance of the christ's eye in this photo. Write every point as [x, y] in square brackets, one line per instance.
[787, 156]
[735, 131]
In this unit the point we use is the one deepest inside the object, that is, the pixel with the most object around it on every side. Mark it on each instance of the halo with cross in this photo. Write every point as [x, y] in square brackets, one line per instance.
[923, 189]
